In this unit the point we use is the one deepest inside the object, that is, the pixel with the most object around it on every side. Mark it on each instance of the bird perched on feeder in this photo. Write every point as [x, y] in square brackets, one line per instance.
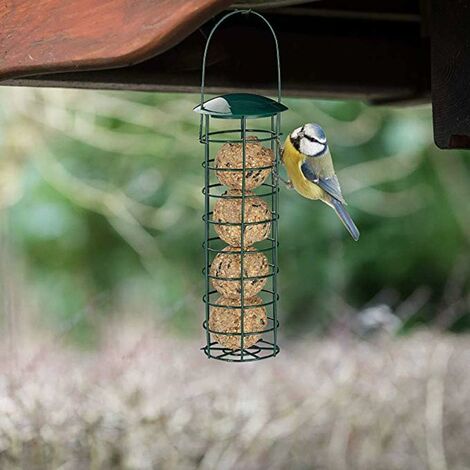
[308, 162]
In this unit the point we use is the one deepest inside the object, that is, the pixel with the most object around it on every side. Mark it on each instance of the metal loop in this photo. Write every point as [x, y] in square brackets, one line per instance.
[262, 349]
[271, 321]
[276, 45]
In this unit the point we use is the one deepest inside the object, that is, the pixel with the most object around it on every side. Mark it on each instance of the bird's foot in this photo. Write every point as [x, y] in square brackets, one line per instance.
[288, 183]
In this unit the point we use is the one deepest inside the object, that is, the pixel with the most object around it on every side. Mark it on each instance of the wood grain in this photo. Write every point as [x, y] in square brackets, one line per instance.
[41, 36]
[377, 61]
[450, 72]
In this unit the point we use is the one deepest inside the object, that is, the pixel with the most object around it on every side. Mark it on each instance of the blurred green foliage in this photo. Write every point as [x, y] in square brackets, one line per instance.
[102, 205]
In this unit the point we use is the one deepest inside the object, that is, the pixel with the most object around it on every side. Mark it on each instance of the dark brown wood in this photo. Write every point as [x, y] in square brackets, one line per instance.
[372, 59]
[377, 51]
[450, 60]
[40, 36]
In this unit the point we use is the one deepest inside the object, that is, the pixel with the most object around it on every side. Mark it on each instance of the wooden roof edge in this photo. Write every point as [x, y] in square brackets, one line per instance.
[49, 36]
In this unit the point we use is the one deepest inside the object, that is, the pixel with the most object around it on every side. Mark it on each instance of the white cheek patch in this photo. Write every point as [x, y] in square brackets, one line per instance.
[295, 133]
[309, 132]
[310, 148]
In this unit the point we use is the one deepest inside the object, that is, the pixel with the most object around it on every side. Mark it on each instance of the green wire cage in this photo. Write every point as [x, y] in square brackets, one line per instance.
[241, 215]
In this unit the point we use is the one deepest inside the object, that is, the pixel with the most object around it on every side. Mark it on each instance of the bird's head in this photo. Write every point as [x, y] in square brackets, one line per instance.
[310, 139]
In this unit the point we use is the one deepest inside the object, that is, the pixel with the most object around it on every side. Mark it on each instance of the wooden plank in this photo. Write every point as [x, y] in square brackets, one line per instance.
[450, 72]
[40, 36]
[374, 60]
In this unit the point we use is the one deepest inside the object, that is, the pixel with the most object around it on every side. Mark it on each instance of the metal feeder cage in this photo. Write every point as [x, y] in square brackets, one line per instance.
[241, 107]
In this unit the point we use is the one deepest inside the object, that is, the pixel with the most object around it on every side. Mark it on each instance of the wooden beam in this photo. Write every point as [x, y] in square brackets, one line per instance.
[41, 36]
[450, 62]
[375, 60]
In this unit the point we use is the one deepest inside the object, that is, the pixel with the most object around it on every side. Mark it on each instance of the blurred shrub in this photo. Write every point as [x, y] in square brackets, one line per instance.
[101, 192]
[147, 401]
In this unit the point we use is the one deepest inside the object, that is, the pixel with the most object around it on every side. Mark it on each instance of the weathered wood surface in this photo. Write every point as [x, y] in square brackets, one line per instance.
[450, 72]
[376, 60]
[40, 36]
[269, 3]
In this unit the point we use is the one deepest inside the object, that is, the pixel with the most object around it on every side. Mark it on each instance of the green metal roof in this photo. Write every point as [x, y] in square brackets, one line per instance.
[238, 105]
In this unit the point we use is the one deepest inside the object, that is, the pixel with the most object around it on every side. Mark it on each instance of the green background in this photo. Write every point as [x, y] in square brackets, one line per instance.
[101, 207]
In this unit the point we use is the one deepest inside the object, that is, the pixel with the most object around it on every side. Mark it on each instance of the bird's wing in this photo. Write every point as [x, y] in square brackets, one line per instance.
[329, 185]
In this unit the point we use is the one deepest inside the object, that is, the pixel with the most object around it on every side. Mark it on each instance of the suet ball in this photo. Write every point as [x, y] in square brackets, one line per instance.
[258, 164]
[227, 264]
[228, 320]
[229, 210]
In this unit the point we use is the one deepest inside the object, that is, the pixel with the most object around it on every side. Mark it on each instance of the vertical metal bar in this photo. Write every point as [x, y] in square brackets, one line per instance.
[242, 242]
[273, 231]
[207, 227]
[275, 127]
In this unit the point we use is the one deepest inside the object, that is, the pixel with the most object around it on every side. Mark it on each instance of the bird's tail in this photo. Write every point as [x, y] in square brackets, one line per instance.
[345, 218]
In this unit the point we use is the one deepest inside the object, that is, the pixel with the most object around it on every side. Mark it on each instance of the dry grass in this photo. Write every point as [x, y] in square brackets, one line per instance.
[145, 401]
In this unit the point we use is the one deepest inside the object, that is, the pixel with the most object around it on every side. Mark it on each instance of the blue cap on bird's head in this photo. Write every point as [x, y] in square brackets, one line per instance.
[310, 139]
[314, 131]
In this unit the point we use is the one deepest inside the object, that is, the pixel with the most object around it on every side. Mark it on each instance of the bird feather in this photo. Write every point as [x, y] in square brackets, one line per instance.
[330, 184]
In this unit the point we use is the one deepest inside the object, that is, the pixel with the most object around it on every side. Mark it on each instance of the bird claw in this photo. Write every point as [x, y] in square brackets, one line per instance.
[287, 183]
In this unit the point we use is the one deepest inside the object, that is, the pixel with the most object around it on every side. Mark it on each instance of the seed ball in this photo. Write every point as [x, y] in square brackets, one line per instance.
[228, 265]
[257, 157]
[230, 210]
[228, 320]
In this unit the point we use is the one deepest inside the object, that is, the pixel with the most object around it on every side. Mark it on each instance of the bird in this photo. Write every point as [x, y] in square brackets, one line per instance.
[307, 159]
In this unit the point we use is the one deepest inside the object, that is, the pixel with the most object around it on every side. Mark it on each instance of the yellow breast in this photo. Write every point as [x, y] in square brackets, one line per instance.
[292, 160]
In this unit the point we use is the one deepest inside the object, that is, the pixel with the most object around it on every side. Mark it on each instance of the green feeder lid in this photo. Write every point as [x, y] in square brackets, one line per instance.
[238, 105]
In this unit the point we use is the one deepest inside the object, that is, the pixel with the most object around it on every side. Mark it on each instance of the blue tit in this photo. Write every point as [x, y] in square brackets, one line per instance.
[308, 163]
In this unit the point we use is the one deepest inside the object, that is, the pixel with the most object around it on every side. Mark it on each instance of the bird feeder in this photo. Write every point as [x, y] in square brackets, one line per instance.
[241, 215]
